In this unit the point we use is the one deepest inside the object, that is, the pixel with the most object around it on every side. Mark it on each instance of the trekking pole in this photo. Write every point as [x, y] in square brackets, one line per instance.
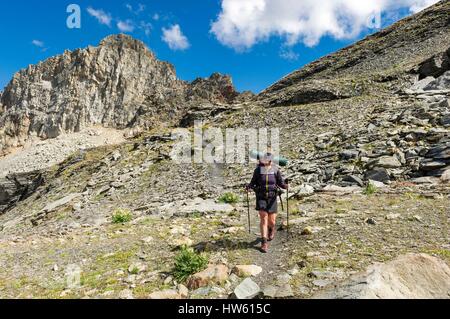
[281, 201]
[287, 209]
[248, 210]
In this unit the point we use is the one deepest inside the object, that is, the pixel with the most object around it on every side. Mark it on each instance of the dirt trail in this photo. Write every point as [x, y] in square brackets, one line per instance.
[272, 262]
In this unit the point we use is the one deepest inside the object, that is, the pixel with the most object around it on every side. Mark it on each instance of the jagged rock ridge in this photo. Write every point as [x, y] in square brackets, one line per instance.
[118, 84]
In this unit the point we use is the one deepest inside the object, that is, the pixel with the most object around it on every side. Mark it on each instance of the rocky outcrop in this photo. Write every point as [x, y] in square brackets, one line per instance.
[217, 87]
[413, 276]
[119, 84]
[435, 66]
[17, 187]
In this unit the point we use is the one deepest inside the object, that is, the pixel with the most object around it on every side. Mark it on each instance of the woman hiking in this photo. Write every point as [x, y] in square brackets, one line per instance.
[266, 182]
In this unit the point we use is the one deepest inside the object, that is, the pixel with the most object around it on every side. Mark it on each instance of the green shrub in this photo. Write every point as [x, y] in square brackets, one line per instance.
[196, 214]
[187, 263]
[370, 189]
[134, 271]
[122, 216]
[229, 198]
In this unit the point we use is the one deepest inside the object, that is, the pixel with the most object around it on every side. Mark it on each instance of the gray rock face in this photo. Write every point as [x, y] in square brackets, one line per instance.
[118, 84]
[441, 83]
[435, 66]
[217, 87]
[413, 276]
[14, 188]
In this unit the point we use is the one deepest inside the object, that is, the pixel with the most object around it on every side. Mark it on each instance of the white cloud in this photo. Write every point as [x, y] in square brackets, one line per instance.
[137, 11]
[175, 38]
[125, 26]
[419, 5]
[101, 16]
[38, 43]
[289, 54]
[243, 23]
[146, 27]
[155, 17]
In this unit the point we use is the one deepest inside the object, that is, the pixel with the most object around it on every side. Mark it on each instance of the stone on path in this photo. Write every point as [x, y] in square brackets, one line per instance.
[278, 292]
[248, 289]
[214, 274]
[247, 270]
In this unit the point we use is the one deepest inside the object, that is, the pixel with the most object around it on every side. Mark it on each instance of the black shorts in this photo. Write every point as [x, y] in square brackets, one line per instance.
[269, 205]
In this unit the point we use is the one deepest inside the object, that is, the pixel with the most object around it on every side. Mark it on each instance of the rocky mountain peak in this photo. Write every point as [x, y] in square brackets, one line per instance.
[119, 84]
[217, 87]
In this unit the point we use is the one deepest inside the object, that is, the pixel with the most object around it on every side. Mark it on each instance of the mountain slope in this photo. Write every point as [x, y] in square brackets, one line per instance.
[393, 55]
[369, 182]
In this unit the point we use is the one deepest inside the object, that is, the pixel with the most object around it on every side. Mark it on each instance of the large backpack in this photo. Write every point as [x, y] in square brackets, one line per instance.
[267, 182]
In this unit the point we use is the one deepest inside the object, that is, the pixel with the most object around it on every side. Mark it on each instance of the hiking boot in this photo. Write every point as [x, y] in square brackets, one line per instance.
[265, 246]
[272, 232]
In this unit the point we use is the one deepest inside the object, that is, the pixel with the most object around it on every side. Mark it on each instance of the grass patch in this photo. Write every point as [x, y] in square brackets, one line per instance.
[122, 216]
[229, 198]
[187, 263]
[444, 253]
[370, 189]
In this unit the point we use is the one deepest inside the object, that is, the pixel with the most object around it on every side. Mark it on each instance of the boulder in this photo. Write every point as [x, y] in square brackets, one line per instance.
[422, 84]
[412, 276]
[355, 180]
[385, 162]
[431, 165]
[304, 191]
[377, 184]
[213, 275]
[378, 174]
[183, 291]
[441, 83]
[278, 292]
[248, 289]
[247, 270]
[440, 152]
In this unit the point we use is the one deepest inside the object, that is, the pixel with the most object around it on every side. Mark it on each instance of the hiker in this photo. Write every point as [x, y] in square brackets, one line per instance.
[266, 182]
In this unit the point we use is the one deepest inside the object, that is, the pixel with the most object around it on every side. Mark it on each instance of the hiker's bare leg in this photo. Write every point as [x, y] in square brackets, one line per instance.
[264, 216]
[272, 226]
[272, 221]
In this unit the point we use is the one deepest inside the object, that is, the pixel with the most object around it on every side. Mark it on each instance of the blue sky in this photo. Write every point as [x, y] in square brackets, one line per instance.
[255, 41]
